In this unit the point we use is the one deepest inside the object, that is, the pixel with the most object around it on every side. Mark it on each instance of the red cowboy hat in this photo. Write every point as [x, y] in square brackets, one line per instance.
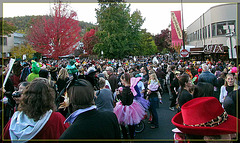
[205, 116]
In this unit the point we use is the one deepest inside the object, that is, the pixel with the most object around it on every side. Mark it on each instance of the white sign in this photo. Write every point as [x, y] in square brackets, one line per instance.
[24, 57]
[134, 58]
[225, 27]
[230, 53]
[155, 60]
[9, 70]
[233, 49]
[184, 53]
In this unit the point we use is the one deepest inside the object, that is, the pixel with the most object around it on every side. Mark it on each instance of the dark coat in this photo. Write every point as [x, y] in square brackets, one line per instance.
[184, 97]
[94, 124]
[208, 77]
[126, 96]
[230, 103]
[61, 84]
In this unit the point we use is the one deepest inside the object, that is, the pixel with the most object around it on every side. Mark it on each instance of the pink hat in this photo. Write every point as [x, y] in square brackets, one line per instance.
[234, 70]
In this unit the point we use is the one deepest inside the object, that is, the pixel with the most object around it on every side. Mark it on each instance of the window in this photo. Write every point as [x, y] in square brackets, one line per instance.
[232, 23]
[220, 30]
[3, 41]
[188, 38]
[200, 34]
[195, 35]
[213, 29]
[205, 32]
[209, 31]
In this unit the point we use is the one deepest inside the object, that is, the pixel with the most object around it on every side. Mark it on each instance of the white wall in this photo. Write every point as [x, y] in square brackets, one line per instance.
[220, 13]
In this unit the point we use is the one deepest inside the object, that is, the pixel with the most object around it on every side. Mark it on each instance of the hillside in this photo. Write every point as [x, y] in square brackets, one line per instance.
[23, 22]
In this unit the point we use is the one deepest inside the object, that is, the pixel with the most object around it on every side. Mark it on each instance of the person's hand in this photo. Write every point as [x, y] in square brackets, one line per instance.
[149, 92]
[65, 103]
[6, 70]
[147, 98]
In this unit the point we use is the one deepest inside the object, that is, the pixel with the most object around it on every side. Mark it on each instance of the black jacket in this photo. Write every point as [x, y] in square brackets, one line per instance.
[184, 97]
[126, 96]
[94, 124]
[230, 103]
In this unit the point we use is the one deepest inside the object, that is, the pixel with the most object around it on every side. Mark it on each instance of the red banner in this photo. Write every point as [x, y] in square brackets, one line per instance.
[176, 28]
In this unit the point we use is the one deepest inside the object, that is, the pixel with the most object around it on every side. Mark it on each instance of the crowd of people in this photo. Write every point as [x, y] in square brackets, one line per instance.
[105, 99]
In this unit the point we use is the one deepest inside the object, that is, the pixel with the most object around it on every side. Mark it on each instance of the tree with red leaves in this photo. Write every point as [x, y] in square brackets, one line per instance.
[89, 40]
[163, 40]
[55, 35]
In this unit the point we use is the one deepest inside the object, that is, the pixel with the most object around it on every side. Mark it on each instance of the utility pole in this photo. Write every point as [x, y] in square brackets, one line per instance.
[230, 34]
[183, 35]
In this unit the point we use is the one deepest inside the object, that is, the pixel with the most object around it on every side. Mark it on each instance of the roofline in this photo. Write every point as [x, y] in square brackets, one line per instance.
[210, 9]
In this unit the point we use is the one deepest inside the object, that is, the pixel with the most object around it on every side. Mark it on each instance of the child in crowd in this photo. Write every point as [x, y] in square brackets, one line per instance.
[153, 85]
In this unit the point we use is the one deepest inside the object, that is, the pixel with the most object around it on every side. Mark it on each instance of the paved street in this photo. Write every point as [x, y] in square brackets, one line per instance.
[164, 132]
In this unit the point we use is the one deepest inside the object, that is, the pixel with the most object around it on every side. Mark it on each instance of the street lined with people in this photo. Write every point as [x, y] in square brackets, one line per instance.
[135, 99]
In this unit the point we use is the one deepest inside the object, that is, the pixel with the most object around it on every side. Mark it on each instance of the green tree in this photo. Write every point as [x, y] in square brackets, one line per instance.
[119, 31]
[147, 45]
[6, 28]
[23, 49]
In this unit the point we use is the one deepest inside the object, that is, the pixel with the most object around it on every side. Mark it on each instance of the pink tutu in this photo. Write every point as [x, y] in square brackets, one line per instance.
[145, 103]
[129, 115]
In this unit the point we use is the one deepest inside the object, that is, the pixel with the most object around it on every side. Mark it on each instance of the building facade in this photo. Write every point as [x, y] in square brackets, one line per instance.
[7, 42]
[214, 33]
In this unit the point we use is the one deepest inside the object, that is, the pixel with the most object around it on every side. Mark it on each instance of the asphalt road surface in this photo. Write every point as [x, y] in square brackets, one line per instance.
[164, 132]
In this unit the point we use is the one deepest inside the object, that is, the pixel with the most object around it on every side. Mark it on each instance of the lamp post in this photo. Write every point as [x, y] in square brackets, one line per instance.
[230, 34]
[183, 35]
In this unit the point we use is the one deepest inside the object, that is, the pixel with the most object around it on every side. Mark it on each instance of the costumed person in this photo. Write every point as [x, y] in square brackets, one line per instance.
[129, 112]
[204, 119]
[35, 71]
[72, 70]
[137, 92]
